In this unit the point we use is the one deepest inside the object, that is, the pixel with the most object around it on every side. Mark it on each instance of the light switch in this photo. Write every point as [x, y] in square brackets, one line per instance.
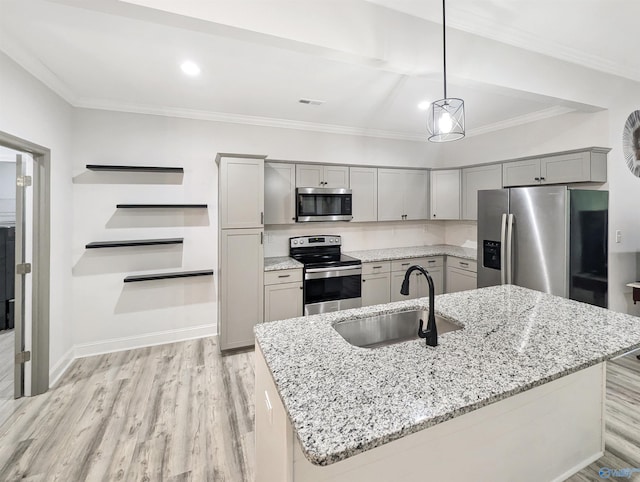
[618, 236]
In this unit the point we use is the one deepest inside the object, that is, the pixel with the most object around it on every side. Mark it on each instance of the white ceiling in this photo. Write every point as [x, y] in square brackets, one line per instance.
[125, 57]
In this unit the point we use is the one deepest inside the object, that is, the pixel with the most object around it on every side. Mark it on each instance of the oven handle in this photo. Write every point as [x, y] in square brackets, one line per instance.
[319, 273]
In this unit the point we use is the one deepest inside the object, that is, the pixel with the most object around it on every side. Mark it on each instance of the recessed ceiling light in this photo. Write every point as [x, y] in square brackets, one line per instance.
[190, 68]
[424, 105]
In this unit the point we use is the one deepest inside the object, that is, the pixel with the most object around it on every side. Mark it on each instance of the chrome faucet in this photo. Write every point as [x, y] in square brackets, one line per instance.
[431, 333]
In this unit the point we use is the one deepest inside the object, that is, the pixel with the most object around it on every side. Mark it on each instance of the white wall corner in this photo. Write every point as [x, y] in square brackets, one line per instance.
[61, 367]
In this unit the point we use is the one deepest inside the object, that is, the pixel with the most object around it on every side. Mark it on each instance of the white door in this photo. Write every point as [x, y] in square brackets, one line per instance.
[445, 194]
[336, 177]
[391, 194]
[241, 193]
[566, 168]
[416, 194]
[279, 193]
[460, 280]
[364, 186]
[376, 289]
[282, 301]
[521, 173]
[309, 175]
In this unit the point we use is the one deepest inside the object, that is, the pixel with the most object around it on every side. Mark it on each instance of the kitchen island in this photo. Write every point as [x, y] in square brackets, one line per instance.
[517, 394]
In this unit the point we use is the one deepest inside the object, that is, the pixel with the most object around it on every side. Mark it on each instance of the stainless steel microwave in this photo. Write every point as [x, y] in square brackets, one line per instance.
[323, 204]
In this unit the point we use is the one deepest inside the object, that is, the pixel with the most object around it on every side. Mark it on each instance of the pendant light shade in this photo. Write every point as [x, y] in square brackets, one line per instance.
[445, 120]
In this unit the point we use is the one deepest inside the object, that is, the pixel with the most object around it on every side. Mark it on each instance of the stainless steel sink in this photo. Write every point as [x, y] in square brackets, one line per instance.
[381, 330]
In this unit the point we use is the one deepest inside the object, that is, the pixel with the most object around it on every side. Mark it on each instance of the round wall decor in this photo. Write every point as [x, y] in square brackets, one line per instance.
[631, 142]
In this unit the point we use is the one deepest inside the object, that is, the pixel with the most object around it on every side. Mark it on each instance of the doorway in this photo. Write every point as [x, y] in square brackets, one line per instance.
[24, 269]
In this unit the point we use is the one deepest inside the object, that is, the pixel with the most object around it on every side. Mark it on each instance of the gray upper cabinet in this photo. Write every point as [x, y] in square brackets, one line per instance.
[279, 193]
[241, 192]
[445, 194]
[475, 179]
[521, 173]
[402, 194]
[588, 165]
[317, 175]
[364, 185]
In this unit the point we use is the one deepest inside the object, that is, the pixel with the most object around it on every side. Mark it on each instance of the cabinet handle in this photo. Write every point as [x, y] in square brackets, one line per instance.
[364, 280]
[542, 178]
[405, 264]
[293, 219]
[377, 267]
[434, 215]
[261, 237]
[301, 287]
[431, 261]
[262, 217]
[537, 178]
[462, 263]
[283, 275]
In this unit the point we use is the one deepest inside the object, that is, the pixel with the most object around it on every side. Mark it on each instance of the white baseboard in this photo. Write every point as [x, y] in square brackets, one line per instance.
[579, 467]
[141, 341]
[61, 366]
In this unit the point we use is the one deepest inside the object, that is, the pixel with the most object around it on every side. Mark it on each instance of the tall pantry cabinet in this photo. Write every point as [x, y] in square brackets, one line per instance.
[240, 248]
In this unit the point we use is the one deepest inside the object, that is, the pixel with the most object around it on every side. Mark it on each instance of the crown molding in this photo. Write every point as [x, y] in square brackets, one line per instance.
[30, 62]
[479, 23]
[246, 119]
[520, 120]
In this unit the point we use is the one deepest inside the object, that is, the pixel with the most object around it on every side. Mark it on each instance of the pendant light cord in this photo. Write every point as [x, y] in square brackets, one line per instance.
[444, 50]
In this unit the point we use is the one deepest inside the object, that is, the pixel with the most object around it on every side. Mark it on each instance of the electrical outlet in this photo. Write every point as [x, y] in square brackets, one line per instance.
[618, 236]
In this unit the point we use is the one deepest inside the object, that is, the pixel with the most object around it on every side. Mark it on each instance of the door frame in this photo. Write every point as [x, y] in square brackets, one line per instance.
[41, 260]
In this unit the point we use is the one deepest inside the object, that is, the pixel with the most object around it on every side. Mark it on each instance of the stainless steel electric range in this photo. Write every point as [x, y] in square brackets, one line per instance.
[332, 280]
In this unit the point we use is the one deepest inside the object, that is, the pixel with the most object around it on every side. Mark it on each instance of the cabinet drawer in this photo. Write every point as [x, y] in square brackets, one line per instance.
[430, 262]
[466, 264]
[375, 268]
[282, 276]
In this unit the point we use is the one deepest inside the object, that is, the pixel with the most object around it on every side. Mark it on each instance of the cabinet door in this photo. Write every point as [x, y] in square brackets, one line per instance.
[241, 276]
[396, 284]
[364, 185]
[566, 168]
[241, 192]
[309, 175]
[282, 301]
[445, 194]
[279, 193]
[336, 176]
[475, 179]
[391, 194]
[437, 275]
[416, 194]
[376, 289]
[521, 173]
[460, 280]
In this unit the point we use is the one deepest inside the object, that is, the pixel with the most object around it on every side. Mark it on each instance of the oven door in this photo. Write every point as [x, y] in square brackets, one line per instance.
[323, 204]
[332, 289]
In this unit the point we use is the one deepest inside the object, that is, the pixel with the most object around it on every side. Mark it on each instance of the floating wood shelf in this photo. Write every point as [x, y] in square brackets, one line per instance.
[105, 167]
[134, 242]
[161, 206]
[177, 274]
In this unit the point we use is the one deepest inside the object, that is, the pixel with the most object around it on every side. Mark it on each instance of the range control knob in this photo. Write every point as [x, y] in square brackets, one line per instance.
[336, 240]
[331, 240]
[295, 241]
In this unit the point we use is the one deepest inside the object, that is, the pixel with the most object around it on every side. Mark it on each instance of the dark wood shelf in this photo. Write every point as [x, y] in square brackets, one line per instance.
[161, 206]
[106, 167]
[177, 274]
[133, 242]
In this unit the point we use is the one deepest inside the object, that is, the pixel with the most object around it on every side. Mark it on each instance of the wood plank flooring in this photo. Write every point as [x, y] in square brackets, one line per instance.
[182, 412]
[7, 351]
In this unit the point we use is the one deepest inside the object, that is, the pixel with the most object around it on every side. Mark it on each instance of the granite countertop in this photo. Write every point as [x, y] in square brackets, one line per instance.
[285, 262]
[281, 262]
[343, 400]
[387, 254]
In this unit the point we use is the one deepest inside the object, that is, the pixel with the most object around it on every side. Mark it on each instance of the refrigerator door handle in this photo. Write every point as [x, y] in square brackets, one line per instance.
[510, 250]
[503, 243]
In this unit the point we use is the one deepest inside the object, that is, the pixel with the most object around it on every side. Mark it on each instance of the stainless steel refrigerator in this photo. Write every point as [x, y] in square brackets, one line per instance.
[547, 238]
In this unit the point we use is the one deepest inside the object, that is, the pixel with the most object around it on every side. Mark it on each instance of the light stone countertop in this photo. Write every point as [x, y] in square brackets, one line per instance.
[343, 400]
[285, 262]
[281, 262]
[388, 254]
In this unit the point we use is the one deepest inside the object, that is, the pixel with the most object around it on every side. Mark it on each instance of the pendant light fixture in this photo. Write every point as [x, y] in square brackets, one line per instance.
[445, 120]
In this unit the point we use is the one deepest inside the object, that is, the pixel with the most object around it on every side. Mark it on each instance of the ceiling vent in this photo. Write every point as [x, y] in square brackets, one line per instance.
[311, 101]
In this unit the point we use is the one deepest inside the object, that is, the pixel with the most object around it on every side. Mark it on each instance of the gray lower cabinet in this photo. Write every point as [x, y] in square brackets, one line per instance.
[282, 294]
[461, 274]
[241, 292]
[376, 283]
[418, 286]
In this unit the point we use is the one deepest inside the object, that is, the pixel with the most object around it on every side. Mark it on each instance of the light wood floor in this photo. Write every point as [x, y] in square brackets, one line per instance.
[7, 350]
[182, 412]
